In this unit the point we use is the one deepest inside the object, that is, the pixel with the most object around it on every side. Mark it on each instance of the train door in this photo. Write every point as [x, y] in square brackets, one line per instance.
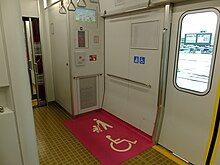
[193, 79]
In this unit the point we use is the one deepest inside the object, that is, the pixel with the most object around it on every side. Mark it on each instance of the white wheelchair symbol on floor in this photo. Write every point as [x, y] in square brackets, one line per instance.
[119, 141]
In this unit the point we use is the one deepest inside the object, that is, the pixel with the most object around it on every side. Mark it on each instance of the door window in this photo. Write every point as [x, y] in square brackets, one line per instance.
[198, 31]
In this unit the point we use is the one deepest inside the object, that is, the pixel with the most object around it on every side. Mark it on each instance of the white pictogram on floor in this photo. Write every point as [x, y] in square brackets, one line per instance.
[100, 125]
[115, 142]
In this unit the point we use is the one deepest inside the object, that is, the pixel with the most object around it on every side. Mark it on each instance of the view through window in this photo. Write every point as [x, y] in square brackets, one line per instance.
[196, 51]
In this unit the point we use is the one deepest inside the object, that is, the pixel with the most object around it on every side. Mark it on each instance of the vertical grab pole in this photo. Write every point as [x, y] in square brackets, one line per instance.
[163, 71]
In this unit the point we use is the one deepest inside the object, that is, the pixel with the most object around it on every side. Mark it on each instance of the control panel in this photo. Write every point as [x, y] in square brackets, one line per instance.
[87, 57]
[87, 40]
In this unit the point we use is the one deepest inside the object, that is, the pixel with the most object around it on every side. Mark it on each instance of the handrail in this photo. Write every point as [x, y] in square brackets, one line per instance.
[91, 75]
[129, 80]
[50, 5]
[62, 9]
[84, 3]
[71, 6]
[71, 3]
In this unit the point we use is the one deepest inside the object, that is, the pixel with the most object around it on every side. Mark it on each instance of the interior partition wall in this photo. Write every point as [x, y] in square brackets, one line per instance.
[16, 93]
[132, 65]
[77, 53]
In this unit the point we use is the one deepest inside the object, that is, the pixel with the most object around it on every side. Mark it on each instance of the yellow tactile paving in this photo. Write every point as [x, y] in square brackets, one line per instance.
[169, 155]
[57, 146]
[150, 157]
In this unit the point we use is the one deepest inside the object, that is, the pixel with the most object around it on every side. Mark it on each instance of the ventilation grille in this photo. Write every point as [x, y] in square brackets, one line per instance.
[88, 92]
[145, 35]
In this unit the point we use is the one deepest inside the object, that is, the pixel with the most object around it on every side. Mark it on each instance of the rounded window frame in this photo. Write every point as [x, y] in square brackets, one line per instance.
[212, 67]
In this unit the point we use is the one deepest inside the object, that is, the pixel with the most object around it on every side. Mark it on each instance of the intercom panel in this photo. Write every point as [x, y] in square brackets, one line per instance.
[86, 53]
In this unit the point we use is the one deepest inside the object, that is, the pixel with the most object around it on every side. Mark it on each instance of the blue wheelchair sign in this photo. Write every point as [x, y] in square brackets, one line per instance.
[142, 60]
[136, 59]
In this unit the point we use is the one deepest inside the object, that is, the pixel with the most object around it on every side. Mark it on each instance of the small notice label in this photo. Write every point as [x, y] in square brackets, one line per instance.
[81, 39]
[96, 40]
[139, 60]
[93, 57]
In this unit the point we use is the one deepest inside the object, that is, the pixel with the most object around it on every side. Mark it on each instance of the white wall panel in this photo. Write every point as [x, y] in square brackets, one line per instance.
[144, 73]
[120, 6]
[3, 100]
[46, 50]
[145, 35]
[3, 69]
[15, 45]
[29, 8]
[60, 57]
[149, 46]
[142, 99]
[132, 102]
[9, 151]
[141, 109]
[116, 98]
[111, 7]
[117, 39]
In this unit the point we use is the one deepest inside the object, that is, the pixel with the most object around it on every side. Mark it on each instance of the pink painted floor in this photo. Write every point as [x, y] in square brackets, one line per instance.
[109, 139]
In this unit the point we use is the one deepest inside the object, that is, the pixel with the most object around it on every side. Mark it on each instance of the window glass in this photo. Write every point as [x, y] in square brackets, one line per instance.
[195, 55]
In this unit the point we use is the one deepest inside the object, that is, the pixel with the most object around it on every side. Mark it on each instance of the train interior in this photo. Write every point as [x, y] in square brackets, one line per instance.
[109, 82]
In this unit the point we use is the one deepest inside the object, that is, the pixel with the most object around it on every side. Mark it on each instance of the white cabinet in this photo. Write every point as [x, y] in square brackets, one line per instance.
[9, 150]
[3, 69]
[117, 31]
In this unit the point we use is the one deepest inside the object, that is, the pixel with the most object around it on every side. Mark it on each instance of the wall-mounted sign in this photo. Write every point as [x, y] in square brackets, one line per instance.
[139, 60]
[81, 39]
[96, 39]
